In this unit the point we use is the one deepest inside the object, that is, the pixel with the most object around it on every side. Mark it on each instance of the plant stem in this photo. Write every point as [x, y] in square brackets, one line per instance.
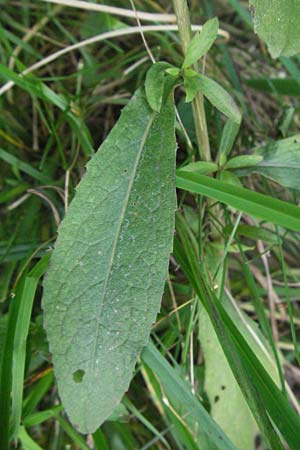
[185, 33]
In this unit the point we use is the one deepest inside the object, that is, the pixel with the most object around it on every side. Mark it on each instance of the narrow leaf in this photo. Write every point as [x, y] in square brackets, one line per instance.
[108, 269]
[219, 98]
[201, 42]
[20, 339]
[228, 137]
[278, 24]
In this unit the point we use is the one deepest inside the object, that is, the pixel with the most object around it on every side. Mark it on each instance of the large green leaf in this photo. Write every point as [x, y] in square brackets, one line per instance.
[278, 23]
[281, 162]
[107, 272]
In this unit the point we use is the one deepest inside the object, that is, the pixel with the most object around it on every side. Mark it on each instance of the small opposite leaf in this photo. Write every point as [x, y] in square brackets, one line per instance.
[228, 137]
[201, 42]
[219, 98]
[277, 22]
[243, 161]
[202, 167]
[173, 71]
[230, 178]
[108, 269]
[191, 88]
[155, 84]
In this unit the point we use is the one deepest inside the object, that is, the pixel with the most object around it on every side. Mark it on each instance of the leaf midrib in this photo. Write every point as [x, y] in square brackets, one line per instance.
[117, 235]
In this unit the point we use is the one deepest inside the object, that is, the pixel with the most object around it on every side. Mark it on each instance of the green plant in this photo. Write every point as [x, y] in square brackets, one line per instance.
[107, 273]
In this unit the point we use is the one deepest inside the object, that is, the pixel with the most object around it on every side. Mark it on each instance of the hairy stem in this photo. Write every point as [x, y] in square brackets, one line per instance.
[185, 33]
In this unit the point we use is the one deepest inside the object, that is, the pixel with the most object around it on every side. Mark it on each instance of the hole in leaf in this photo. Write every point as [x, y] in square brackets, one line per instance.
[216, 399]
[78, 375]
[223, 387]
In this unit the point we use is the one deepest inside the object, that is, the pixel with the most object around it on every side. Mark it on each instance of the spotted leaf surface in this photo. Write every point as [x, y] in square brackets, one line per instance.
[277, 22]
[109, 265]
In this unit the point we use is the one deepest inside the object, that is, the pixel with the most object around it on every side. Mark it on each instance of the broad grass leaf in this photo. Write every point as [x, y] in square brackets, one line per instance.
[278, 24]
[259, 205]
[201, 42]
[280, 162]
[228, 406]
[108, 269]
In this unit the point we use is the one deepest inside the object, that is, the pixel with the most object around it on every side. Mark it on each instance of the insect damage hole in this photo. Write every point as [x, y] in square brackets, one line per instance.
[78, 375]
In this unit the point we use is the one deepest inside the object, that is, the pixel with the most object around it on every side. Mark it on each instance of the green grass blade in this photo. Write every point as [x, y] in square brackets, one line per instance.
[36, 88]
[27, 442]
[259, 205]
[37, 393]
[180, 395]
[37, 418]
[23, 166]
[20, 339]
[72, 433]
[100, 441]
[6, 368]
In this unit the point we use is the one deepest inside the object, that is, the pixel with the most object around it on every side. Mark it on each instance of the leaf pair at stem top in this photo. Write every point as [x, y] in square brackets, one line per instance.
[163, 73]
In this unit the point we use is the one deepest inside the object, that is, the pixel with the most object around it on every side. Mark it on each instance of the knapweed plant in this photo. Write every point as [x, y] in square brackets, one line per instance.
[104, 281]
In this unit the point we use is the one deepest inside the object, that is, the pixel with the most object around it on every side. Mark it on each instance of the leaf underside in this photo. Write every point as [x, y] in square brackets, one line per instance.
[108, 269]
[277, 22]
[281, 161]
